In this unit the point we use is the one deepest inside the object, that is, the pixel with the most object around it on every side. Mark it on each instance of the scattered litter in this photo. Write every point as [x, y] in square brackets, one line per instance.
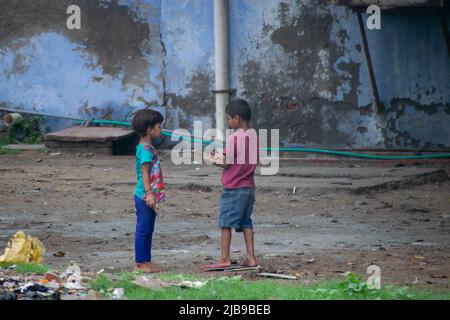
[59, 254]
[93, 212]
[434, 276]
[271, 255]
[178, 251]
[293, 191]
[191, 284]
[100, 271]
[419, 257]
[277, 275]
[151, 283]
[38, 287]
[55, 154]
[234, 278]
[73, 278]
[23, 248]
[359, 203]
[8, 285]
[79, 154]
[38, 160]
[233, 268]
[52, 277]
[118, 293]
[312, 260]
[294, 265]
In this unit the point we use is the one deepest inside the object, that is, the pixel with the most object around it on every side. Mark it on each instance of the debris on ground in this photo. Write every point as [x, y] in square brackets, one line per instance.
[23, 248]
[59, 254]
[118, 293]
[277, 275]
[151, 283]
[50, 286]
[190, 284]
[73, 278]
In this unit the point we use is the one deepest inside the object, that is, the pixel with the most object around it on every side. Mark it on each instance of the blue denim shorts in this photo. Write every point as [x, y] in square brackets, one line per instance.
[236, 207]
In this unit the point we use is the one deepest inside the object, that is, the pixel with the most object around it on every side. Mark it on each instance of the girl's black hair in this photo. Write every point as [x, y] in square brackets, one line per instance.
[239, 108]
[145, 119]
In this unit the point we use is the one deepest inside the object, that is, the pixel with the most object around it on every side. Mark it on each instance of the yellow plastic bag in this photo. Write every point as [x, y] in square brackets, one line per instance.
[23, 248]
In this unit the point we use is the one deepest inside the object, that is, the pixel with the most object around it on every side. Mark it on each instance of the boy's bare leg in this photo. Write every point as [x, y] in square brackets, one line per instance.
[249, 243]
[225, 246]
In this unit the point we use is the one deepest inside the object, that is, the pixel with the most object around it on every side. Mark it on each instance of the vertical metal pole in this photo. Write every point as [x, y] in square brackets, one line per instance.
[221, 61]
[369, 63]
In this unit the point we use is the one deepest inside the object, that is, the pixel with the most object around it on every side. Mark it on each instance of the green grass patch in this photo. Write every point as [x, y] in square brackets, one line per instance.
[4, 151]
[26, 130]
[235, 289]
[24, 268]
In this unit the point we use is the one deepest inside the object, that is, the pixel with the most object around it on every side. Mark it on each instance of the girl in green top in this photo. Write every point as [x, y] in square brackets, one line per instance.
[150, 187]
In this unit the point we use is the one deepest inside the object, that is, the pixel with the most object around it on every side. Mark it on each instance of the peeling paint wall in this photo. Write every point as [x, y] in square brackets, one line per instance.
[105, 70]
[300, 63]
[302, 67]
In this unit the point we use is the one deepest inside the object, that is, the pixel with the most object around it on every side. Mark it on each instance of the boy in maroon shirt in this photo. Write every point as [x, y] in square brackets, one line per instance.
[238, 196]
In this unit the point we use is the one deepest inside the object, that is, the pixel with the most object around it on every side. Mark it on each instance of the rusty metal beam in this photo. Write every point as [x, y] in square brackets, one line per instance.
[373, 81]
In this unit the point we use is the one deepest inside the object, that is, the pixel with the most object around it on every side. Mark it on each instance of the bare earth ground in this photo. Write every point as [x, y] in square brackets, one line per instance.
[83, 206]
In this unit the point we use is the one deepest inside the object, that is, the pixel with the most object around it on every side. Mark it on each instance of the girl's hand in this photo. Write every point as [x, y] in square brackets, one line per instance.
[150, 199]
[157, 209]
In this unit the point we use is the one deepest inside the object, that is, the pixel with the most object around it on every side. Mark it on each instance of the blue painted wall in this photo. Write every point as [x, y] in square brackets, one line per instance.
[299, 63]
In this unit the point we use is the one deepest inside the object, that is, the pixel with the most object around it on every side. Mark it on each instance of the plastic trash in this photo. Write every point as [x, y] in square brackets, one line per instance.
[23, 248]
[118, 293]
[11, 119]
[150, 283]
[191, 284]
[73, 278]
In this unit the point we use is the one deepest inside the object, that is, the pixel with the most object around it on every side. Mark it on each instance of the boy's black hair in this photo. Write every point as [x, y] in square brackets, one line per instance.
[239, 108]
[145, 119]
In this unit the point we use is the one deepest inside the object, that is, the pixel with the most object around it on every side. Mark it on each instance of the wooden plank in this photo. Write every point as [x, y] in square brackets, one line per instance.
[233, 268]
[90, 134]
[277, 275]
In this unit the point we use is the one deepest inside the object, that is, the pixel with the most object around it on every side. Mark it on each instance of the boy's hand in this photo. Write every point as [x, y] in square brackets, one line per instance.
[150, 200]
[215, 158]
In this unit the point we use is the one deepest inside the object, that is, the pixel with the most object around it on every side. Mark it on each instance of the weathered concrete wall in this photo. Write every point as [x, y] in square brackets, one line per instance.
[105, 70]
[300, 64]
[302, 67]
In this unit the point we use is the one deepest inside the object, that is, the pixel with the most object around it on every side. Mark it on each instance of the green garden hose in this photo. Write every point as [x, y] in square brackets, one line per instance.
[169, 133]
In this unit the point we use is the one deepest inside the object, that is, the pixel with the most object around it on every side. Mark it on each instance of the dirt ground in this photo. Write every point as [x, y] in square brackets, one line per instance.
[344, 215]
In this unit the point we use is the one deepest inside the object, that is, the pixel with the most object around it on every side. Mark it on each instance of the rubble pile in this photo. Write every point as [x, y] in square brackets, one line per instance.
[69, 285]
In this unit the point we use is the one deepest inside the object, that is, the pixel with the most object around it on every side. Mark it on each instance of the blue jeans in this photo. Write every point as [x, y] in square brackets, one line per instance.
[236, 207]
[145, 225]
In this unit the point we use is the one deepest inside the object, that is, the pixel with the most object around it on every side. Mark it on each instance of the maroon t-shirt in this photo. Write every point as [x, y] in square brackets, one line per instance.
[241, 152]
